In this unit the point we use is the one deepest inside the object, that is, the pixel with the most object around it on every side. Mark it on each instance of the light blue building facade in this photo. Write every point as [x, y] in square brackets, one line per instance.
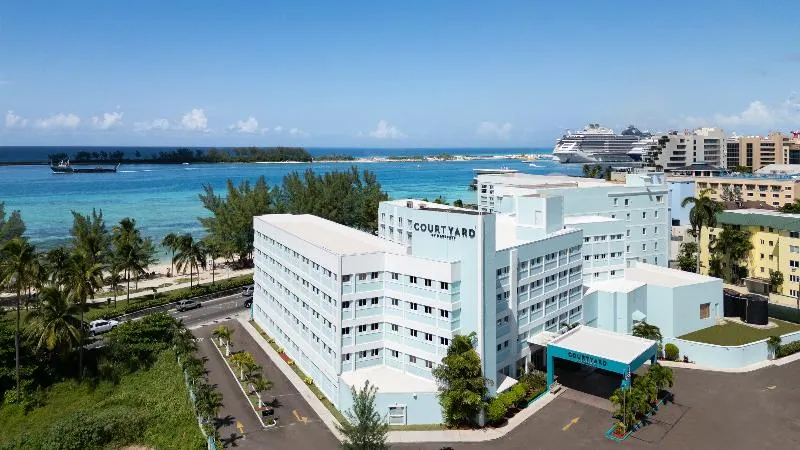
[679, 190]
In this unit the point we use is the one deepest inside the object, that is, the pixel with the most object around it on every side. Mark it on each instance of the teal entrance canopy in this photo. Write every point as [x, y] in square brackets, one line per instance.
[607, 350]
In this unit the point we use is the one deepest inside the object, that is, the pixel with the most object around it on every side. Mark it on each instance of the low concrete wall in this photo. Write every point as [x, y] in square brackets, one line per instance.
[727, 357]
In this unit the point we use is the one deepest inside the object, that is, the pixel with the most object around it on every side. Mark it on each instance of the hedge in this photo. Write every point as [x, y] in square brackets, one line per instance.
[671, 352]
[163, 298]
[788, 349]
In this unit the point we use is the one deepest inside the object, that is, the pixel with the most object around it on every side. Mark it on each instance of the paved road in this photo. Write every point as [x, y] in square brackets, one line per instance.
[298, 426]
[212, 311]
[757, 410]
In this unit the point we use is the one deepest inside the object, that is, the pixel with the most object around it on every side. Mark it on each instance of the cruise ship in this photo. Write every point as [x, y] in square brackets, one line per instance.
[595, 144]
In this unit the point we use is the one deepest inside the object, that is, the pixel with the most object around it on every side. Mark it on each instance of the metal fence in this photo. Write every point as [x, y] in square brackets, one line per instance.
[786, 313]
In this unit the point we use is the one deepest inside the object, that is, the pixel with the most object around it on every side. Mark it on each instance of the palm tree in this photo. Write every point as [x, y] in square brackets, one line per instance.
[774, 343]
[207, 402]
[84, 277]
[55, 264]
[114, 277]
[191, 254]
[224, 333]
[131, 253]
[242, 361]
[18, 264]
[195, 369]
[54, 324]
[662, 376]
[259, 385]
[184, 343]
[729, 248]
[703, 214]
[90, 235]
[172, 242]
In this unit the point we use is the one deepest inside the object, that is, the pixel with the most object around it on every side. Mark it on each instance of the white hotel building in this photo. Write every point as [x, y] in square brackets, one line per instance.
[621, 222]
[349, 306]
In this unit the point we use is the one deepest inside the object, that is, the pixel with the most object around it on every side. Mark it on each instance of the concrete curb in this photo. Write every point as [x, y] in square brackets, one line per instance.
[302, 388]
[396, 437]
[745, 369]
[239, 383]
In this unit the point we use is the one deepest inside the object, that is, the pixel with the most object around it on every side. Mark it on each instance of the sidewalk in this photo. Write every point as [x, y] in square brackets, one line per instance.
[447, 436]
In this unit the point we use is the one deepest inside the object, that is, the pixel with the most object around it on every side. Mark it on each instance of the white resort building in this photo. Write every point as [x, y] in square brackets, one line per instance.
[348, 306]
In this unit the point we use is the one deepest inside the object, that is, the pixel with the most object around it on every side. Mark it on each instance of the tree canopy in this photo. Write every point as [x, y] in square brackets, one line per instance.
[12, 227]
[365, 428]
[350, 198]
[462, 386]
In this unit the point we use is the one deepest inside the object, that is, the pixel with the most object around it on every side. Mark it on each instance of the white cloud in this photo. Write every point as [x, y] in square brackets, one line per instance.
[386, 131]
[2, 82]
[757, 115]
[278, 129]
[500, 131]
[195, 120]
[60, 120]
[108, 120]
[247, 126]
[298, 132]
[155, 124]
[15, 121]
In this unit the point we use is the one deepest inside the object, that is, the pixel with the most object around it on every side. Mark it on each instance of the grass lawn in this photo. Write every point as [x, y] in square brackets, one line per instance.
[733, 333]
[158, 396]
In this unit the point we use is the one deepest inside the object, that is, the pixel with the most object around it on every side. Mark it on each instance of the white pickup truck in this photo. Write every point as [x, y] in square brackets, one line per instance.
[101, 326]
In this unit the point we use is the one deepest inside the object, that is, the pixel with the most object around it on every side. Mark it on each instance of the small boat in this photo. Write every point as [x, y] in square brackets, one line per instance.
[64, 166]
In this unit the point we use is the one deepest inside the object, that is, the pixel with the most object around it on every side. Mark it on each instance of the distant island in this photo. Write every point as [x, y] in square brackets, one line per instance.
[185, 155]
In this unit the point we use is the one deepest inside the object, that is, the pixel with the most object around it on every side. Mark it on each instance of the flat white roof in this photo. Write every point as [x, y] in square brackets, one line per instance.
[388, 380]
[506, 232]
[571, 220]
[419, 204]
[663, 276]
[619, 347]
[544, 181]
[615, 285]
[330, 236]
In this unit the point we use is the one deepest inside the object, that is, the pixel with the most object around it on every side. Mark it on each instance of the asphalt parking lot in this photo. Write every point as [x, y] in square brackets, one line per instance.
[298, 426]
[756, 410]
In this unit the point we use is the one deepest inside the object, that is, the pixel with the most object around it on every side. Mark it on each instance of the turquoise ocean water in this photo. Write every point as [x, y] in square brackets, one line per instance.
[164, 198]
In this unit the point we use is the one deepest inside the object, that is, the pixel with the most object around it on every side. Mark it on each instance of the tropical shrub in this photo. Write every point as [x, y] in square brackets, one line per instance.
[534, 379]
[496, 410]
[671, 352]
[519, 392]
[788, 349]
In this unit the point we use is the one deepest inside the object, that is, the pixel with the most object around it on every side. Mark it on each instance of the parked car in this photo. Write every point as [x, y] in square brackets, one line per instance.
[247, 291]
[248, 302]
[101, 326]
[185, 305]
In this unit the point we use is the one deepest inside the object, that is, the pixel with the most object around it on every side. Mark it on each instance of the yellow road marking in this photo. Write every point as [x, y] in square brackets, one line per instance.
[571, 423]
[240, 427]
[300, 418]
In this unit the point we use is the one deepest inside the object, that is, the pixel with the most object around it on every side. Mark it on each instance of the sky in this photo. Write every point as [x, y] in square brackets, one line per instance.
[389, 74]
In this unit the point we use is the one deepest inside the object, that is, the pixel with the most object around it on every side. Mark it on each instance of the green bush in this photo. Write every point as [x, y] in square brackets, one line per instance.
[496, 410]
[518, 392]
[81, 430]
[534, 379]
[671, 352]
[788, 349]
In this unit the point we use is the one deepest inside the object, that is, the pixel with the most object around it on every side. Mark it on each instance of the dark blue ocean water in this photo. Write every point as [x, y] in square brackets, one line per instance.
[164, 198]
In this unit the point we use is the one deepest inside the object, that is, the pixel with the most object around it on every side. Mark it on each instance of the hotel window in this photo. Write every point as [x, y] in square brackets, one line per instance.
[395, 353]
[794, 234]
[444, 285]
[794, 263]
[628, 233]
[615, 201]
[362, 354]
[346, 330]
[536, 307]
[412, 305]
[705, 310]
[644, 231]
[412, 332]
[375, 352]
[427, 282]
[374, 301]
[346, 304]
[656, 213]
[373, 275]
[412, 280]
[628, 217]
[395, 275]
[794, 249]
[412, 359]
[626, 202]
[362, 328]
[644, 247]
[655, 230]
[428, 310]
[362, 277]
[395, 328]
[428, 337]
[659, 199]
[362, 302]
[444, 313]
[587, 257]
[373, 327]
[429, 364]
[499, 347]
[346, 357]
[345, 278]
[644, 214]
[395, 302]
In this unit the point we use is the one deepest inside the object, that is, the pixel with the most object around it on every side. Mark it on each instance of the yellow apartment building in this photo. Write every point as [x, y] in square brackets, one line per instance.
[776, 245]
[775, 191]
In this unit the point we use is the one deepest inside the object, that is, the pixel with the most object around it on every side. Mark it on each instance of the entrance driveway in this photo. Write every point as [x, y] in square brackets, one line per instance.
[746, 411]
[298, 426]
